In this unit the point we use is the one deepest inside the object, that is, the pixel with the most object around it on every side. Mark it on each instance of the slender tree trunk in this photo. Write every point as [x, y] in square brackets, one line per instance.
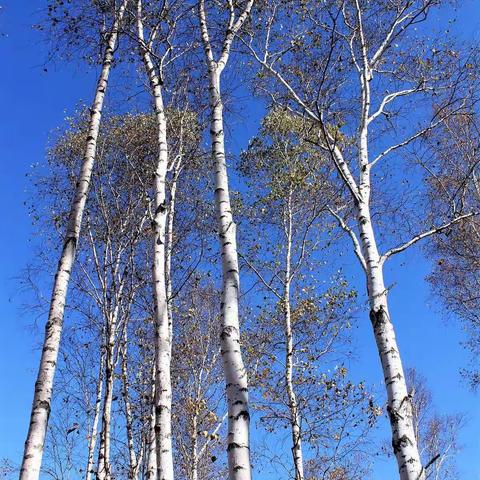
[399, 406]
[169, 248]
[295, 420]
[234, 370]
[93, 436]
[128, 412]
[152, 445]
[34, 444]
[163, 387]
[194, 453]
[104, 467]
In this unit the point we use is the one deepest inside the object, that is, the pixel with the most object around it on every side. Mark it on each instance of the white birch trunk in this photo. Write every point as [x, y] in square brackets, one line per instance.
[404, 442]
[132, 473]
[93, 436]
[169, 249]
[163, 387]
[399, 407]
[104, 467]
[151, 473]
[234, 370]
[295, 420]
[34, 444]
[194, 452]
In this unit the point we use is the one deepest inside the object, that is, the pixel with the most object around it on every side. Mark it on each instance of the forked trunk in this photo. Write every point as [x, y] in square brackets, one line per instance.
[34, 444]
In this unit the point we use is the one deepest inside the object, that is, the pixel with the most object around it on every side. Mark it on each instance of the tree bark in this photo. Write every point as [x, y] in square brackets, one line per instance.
[93, 435]
[404, 442]
[163, 387]
[132, 473]
[34, 444]
[151, 473]
[104, 467]
[234, 370]
[399, 408]
[295, 420]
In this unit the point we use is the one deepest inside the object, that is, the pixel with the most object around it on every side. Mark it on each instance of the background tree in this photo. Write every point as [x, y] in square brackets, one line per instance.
[305, 320]
[453, 184]
[437, 434]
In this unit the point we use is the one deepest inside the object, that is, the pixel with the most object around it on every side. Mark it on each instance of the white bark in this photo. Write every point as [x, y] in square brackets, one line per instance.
[163, 387]
[399, 407]
[151, 473]
[34, 445]
[93, 435]
[404, 442]
[132, 472]
[295, 420]
[238, 448]
[104, 467]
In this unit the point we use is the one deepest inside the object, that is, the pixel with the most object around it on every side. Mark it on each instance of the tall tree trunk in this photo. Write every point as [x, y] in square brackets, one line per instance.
[163, 387]
[169, 246]
[234, 370]
[93, 436]
[104, 467]
[34, 444]
[295, 420]
[194, 446]
[404, 442]
[128, 411]
[399, 406]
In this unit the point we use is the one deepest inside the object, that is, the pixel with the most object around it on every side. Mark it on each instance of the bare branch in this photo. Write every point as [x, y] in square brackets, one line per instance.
[423, 235]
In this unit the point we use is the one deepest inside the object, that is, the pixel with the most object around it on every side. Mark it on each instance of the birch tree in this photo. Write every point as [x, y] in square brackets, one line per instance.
[234, 370]
[305, 325]
[34, 443]
[437, 434]
[163, 340]
[109, 274]
[354, 68]
[199, 409]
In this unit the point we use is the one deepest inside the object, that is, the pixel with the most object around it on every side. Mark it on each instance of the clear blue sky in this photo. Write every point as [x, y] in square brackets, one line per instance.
[33, 103]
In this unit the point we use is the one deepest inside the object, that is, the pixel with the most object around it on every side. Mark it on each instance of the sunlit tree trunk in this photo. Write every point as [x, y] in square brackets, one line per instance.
[151, 473]
[163, 387]
[404, 442]
[238, 445]
[235, 374]
[399, 407]
[34, 445]
[194, 447]
[295, 420]
[132, 473]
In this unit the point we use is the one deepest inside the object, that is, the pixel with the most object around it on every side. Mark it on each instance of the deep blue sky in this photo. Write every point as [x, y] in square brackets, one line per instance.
[34, 102]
